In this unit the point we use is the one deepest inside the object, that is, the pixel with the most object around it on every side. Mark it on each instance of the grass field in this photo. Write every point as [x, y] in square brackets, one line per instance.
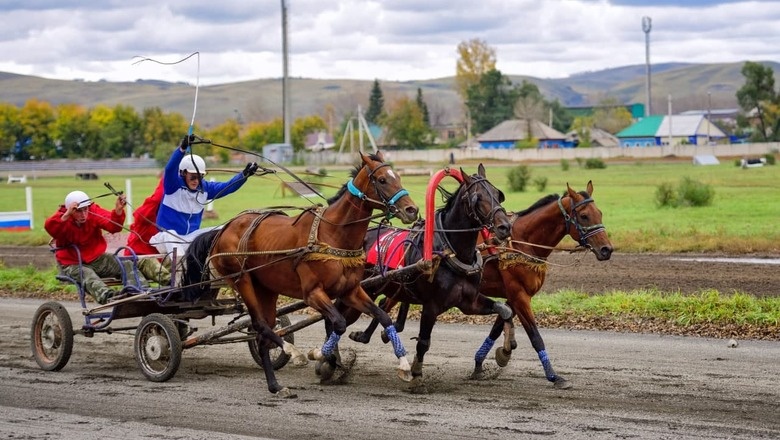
[743, 217]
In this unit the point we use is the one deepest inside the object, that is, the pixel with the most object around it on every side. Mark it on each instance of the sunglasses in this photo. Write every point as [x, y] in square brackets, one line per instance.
[194, 176]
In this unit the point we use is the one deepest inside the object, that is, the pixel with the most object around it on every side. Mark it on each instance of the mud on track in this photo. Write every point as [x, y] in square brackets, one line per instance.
[635, 386]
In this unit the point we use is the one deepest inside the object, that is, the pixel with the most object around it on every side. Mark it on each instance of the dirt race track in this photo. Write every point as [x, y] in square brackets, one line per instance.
[625, 385]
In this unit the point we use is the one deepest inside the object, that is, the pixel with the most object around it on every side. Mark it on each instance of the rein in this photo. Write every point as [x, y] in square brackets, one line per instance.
[573, 220]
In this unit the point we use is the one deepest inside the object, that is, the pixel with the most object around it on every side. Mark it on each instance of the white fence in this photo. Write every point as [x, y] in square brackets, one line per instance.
[18, 220]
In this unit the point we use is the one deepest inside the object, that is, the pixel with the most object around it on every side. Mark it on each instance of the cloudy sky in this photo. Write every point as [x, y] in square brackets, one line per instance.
[241, 40]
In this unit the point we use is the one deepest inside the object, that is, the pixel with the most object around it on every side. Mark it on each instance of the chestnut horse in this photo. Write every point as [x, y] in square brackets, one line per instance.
[518, 272]
[456, 278]
[316, 256]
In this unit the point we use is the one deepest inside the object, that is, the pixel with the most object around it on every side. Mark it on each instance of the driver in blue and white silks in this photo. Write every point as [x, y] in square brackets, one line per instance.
[186, 194]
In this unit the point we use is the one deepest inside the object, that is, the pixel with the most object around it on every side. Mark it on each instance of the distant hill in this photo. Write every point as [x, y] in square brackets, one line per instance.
[261, 99]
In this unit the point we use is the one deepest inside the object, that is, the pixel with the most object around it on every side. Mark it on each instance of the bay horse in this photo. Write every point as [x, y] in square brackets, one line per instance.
[316, 256]
[457, 273]
[518, 271]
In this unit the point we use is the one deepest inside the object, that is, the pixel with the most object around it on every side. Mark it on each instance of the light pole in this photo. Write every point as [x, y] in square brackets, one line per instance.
[285, 91]
[647, 24]
[709, 115]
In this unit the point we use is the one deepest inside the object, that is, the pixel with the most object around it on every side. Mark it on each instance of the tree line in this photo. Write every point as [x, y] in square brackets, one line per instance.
[39, 130]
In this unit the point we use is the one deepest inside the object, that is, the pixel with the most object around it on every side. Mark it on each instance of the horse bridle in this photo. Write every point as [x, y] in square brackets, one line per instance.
[387, 203]
[584, 232]
[471, 208]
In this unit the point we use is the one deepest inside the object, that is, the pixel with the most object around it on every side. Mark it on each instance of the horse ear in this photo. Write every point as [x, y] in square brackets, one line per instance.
[380, 155]
[590, 187]
[466, 177]
[481, 170]
[571, 192]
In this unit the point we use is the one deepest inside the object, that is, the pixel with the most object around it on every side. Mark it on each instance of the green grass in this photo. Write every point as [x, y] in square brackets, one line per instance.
[742, 218]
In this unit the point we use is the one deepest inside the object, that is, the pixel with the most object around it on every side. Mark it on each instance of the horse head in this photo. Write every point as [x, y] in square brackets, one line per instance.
[378, 183]
[583, 222]
[482, 201]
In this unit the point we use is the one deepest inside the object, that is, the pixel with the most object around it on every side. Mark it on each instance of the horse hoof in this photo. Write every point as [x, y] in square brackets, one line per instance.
[359, 337]
[418, 386]
[300, 361]
[405, 375]
[561, 383]
[326, 371]
[502, 357]
[385, 339]
[285, 393]
[315, 354]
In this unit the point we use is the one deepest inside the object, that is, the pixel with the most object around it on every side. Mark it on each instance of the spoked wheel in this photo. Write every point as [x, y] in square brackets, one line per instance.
[158, 347]
[278, 357]
[52, 336]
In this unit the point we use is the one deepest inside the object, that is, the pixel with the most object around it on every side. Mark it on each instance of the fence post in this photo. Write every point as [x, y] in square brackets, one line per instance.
[28, 196]
[129, 199]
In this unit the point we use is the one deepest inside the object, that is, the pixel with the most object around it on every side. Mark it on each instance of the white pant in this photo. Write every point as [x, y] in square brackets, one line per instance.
[168, 241]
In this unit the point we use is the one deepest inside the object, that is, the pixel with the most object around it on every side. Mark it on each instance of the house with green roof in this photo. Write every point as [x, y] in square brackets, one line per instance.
[656, 130]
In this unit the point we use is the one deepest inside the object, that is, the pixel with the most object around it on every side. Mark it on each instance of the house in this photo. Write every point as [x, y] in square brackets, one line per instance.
[319, 141]
[656, 130]
[506, 134]
[598, 138]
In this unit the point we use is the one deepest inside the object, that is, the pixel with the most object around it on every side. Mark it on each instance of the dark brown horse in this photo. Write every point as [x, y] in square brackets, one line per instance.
[316, 256]
[455, 281]
[517, 272]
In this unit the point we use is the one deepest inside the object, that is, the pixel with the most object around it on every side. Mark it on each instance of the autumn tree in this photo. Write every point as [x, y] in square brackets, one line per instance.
[611, 116]
[406, 126]
[475, 59]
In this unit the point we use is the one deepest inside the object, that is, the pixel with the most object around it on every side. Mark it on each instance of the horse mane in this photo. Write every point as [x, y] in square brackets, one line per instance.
[195, 269]
[352, 174]
[544, 201]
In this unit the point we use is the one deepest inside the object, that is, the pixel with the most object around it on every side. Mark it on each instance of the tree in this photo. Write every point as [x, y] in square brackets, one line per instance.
[529, 106]
[406, 127]
[36, 118]
[475, 59]
[611, 116]
[490, 101]
[376, 104]
[423, 107]
[758, 92]
[582, 126]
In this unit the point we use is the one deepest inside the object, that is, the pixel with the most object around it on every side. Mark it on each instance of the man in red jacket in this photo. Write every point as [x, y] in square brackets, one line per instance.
[142, 229]
[79, 224]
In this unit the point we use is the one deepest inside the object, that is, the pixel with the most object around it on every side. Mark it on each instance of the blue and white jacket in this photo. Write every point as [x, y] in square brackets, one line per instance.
[181, 209]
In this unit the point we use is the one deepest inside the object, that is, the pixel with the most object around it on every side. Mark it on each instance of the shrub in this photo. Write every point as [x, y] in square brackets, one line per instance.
[565, 164]
[770, 158]
[695, 193]
[519, 177]
[738, 162]
[594, 163]
[540, 183]
[688, 193]
[665, 195]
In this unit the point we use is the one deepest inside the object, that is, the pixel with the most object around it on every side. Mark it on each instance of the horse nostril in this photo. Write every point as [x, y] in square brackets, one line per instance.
[412, 211]
[606, 251]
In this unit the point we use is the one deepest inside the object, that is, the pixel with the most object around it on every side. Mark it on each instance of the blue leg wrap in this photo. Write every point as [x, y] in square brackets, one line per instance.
[398, 347]
[484, 350]
[330, 344]
[547, 365]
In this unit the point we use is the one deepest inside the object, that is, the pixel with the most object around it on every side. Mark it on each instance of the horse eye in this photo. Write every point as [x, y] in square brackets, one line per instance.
[584, 216]
[382, 180]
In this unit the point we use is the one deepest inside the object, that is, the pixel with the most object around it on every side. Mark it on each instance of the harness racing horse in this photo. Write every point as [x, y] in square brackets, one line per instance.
[517, 273]
[457, 272]
[316, 256]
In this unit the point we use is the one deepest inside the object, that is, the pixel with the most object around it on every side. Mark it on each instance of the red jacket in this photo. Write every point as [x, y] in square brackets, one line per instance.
[144, 226]
[88, 236]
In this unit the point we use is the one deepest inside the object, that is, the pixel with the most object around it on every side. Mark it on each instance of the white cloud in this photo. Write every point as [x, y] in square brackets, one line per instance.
[367, 39]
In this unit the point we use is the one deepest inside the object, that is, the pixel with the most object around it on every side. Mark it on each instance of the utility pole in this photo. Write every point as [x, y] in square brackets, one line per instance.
[709, 115]
[647, 24]
[285, 88]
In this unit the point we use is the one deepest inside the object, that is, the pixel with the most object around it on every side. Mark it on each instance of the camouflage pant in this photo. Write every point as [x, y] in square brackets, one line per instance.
[104, 266]
[152, 269]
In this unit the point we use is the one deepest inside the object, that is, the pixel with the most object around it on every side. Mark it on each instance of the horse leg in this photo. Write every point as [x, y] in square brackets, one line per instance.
[526, 315]
[483, 305]
[427, 321]
[360, 301]
[364, 336]
[499, 325]
[400, 320]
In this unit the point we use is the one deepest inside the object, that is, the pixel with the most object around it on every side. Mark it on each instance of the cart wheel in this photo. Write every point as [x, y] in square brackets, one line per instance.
[52, 336]
[157, 347]
[278, 357]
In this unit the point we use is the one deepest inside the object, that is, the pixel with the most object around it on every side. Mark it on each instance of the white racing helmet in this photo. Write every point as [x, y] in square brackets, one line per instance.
[77, 196]
[192, 163]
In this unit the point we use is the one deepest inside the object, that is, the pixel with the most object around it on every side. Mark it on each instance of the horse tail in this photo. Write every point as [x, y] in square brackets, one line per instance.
[196, 268]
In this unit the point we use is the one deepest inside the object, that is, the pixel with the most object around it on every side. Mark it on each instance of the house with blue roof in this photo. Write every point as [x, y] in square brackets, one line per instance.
[657, 130]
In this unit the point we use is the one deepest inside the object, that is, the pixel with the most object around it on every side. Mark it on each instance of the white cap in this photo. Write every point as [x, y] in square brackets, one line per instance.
[77, 196]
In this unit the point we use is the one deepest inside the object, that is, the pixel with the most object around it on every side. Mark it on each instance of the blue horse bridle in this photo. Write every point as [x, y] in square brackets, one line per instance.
[388, 203]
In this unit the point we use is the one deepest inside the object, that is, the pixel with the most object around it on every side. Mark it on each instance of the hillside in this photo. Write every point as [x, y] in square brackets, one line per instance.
[260, 99]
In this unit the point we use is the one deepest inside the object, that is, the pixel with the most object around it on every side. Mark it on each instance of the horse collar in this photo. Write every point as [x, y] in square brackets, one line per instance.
[452, 260]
